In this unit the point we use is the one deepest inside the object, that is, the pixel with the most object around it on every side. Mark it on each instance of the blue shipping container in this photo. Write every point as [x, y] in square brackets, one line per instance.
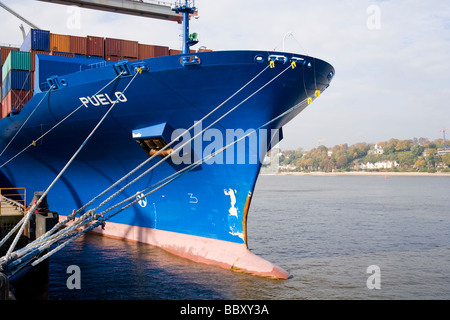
[36, 40]
[16, 80]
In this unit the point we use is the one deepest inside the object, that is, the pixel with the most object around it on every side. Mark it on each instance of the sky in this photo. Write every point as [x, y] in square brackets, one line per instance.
[392, 58]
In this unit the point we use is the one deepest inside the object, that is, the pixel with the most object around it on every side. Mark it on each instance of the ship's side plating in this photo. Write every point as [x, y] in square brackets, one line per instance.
[201, 215]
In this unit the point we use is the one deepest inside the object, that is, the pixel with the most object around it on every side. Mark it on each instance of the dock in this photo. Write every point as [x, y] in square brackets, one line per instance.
[32, 285]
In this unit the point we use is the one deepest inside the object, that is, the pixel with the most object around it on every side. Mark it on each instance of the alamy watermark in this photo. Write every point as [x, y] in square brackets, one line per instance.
[74, 280]
[374, 280]
[374, 17]
[226, 146]
[74, 19]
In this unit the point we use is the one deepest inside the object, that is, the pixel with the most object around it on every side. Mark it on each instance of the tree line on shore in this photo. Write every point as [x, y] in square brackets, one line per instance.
[417, 154]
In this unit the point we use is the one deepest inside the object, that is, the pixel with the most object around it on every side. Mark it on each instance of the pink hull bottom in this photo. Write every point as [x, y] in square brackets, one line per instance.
[220, 253]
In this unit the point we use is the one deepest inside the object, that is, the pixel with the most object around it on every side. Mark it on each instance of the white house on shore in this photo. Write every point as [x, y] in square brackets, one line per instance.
[386, 164]
[376, 150]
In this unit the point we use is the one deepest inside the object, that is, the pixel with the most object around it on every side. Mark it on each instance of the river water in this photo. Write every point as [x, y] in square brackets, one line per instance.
[326, 231]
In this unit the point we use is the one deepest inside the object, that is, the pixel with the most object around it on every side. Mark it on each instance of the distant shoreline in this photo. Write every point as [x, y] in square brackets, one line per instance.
[364, 173]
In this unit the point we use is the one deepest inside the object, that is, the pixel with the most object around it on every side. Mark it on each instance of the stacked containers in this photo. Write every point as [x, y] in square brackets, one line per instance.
[4, 52]
[16, 60]
[37, 42]
[18, 73]
[16, 82]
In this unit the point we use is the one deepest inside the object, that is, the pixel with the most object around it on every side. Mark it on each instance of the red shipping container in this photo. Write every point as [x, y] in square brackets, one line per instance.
[33, 54]
[113, 47]
[78, 45]
[4, 52]
[161, 51]
[95, 46]
[15, 100]
[145, 51]
[130, 49]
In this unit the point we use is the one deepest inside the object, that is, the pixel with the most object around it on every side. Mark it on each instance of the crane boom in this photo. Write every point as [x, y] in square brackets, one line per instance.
[149, 9]
[18, 15]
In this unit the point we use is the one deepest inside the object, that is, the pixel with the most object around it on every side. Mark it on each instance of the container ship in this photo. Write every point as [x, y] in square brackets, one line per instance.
[173, 139]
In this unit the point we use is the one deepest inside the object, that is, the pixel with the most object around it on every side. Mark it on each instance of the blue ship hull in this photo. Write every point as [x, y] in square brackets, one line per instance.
[201, 215]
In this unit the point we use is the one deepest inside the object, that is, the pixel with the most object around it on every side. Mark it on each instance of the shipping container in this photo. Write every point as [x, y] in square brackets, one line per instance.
[146, 51]
[78, 45]
[16, 60]
[16, 80]
[95, 46]
[33, 54]
[4, 52]
[113, 47]
[14, 101]
[36, 40]
[59, 42]
[161, 51]
[130, 49]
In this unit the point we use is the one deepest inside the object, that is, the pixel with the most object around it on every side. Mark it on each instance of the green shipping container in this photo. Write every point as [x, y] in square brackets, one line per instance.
[16, 60]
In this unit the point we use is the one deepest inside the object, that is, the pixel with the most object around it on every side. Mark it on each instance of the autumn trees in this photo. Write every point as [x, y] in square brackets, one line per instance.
[413, 154]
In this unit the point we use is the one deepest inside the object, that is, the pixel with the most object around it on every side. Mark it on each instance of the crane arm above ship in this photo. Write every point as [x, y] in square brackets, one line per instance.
[181, 12]
[18, 15]
[149, 9]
